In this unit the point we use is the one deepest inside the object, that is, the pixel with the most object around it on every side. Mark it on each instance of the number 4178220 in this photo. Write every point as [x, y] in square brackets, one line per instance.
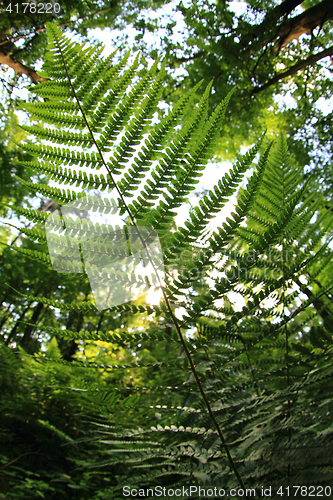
[305, 491]
[34, 8]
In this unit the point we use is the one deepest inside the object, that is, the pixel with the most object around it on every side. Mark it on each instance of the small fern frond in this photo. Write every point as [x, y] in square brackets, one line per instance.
[30, 214]
[56, 194]
[33, 234]
[41, 257]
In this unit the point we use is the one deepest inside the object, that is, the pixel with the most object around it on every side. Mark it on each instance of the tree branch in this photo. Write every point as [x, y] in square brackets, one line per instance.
[289, 29]
[320, 306]
[304, 23]
[181, 60]
[21, 68]
[291, 71]
[271, 18]
[88, 16]
[18, 458]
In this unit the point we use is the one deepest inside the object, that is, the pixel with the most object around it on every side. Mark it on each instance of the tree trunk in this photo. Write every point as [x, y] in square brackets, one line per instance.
[271, 19]
[304, 23]
[14, 329]
[73, 346]
[269, 30]
[5, 316]
[29, 328]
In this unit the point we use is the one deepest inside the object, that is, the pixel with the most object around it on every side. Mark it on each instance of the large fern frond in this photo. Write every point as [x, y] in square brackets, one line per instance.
[250, 370]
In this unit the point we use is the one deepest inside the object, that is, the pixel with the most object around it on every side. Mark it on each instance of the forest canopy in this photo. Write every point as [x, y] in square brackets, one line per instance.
[218, 373]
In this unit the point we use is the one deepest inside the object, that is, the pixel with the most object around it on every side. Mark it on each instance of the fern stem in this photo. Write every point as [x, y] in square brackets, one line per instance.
[252, 372]
[168, 305]
[201, 389]
[284, 290]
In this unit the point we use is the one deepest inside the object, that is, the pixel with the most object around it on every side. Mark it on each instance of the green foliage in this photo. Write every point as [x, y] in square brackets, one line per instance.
[11, 191]
[226, 396]
[41, 417]
[251, 44]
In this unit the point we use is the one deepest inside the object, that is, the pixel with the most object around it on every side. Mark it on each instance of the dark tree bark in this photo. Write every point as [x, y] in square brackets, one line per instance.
[30, 328]
[304, 23]
[271, 19]
[289, 29]
[17, 324]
